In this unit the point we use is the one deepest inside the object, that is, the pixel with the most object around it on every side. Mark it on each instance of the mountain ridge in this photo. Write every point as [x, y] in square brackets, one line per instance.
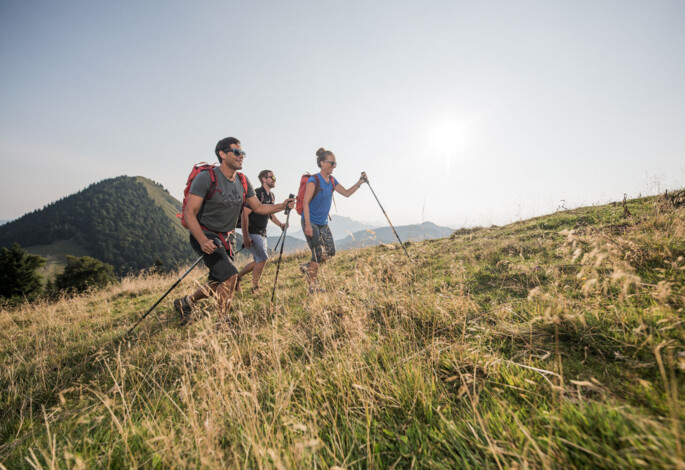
[128, 222]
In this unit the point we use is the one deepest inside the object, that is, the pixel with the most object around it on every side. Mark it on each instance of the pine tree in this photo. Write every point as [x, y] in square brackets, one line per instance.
[18, 273]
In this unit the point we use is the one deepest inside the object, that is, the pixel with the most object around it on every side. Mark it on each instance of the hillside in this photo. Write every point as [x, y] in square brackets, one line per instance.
[407, 233]
[555, 342]
[128, 222]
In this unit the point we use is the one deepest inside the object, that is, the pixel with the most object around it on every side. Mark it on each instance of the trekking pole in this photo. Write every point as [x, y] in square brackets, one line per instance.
[278, 266]
[280, 238]
[217, 243]
[388, 218]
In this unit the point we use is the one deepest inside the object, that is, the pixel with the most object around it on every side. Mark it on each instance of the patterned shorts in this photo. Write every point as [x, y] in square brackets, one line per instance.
[320, 243]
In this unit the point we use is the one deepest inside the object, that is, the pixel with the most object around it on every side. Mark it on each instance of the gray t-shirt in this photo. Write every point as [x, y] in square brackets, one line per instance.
[220, 213]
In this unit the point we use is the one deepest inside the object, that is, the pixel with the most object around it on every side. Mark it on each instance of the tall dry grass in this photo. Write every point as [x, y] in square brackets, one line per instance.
[551, 343]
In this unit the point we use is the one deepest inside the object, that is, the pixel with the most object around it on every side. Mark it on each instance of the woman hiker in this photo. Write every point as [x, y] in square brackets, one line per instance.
[318, 196]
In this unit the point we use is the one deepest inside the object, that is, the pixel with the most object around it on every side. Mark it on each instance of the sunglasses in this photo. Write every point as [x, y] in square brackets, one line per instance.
[331, 162]
[237, 152]
[272, 177]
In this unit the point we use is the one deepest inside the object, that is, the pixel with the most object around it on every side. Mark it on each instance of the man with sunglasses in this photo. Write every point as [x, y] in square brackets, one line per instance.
[211, 213]
[254, 229]
[318, 195]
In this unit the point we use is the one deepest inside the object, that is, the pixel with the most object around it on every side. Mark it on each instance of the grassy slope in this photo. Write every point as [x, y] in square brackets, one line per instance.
[166, 201]
[553, 342]
[56, 256]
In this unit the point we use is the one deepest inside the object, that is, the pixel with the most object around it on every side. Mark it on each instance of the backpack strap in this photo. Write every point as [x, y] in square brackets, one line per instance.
[243, 181]
[210, 192]
[317, 185]
[225, 243]
[212, 185]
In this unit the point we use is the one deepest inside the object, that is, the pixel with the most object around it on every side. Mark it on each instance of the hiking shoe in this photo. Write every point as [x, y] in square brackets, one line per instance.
[304, 267]
[316, 290]
[185, 311]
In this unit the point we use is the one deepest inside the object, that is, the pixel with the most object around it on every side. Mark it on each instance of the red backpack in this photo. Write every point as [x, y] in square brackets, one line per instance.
[197, 169]
[317, 189]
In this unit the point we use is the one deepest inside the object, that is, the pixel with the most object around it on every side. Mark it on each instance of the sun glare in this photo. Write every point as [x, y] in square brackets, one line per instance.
[447, 139]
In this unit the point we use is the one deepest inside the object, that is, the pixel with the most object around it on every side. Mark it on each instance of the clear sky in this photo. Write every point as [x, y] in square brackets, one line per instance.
[461, 112]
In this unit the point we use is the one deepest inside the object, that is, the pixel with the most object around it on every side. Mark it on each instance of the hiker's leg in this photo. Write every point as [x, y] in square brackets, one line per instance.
[318, 254]
[203, 292]
[314, 242]
[248, 268]
[312, 271]
[327, 242]
[224, 295]
[257, 274]
[259, 248]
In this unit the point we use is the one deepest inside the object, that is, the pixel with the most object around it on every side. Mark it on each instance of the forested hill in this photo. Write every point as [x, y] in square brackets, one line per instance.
[128, 222]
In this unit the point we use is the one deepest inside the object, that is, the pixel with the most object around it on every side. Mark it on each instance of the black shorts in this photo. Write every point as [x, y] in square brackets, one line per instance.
[220, 265]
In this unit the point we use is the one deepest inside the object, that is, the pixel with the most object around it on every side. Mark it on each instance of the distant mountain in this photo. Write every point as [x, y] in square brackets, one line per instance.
[128, 222]
[4, 221]
[364, 238]
[371, 237]
[291, 244]
[341, 226]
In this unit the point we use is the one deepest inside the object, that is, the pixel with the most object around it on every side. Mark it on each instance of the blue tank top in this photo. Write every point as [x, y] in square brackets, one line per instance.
[320, 205]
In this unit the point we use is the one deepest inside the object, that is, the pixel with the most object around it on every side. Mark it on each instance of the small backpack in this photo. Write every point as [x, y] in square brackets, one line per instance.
[197, 169]
[299, 204]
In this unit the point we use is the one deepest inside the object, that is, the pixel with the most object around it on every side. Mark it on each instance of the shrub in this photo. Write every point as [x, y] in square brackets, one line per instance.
[83, 273]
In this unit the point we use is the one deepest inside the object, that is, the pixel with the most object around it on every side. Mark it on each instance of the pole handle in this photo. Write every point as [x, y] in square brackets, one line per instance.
[287, 209]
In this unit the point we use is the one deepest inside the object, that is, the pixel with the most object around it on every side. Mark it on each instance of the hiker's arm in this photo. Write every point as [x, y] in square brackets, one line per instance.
[307, 198]
[275, 220]
[190, 216]
[268, 209]
[244, 223]
[339, 188]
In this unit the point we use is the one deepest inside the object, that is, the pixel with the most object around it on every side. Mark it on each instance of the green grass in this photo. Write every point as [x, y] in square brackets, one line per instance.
[555, 342]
